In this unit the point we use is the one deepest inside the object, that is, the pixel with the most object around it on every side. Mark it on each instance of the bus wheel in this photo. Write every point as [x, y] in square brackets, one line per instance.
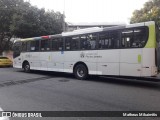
[26, 67]
[81, 72]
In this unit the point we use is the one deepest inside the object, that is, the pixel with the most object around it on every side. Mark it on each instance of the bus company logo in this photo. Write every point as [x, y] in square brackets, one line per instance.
[82, 55]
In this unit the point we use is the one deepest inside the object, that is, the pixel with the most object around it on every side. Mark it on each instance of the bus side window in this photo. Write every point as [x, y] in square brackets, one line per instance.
[24, 46]
[60, 44]
[72, 43]
[139, 37]
[83, 42]
[45, 45]
[28, 46]
[103, 41]
[108, 40]
[34, 46]
[127, 38]
[17, 49]
[75, 43]
[134, 38]
[68, 43]
[88, 42]
[54, 44]
[114, 39]
[92, 38]
[57, 44]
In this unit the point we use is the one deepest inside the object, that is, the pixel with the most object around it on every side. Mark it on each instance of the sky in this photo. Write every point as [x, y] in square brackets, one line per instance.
[92, 11]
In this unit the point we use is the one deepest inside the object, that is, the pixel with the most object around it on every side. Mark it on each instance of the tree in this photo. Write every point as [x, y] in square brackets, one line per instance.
[150, 12]
[29, 21]
[36, 22]
[7, 9]
[21, 19]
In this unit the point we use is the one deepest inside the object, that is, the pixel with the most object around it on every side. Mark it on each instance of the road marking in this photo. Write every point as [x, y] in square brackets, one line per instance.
[3, 118]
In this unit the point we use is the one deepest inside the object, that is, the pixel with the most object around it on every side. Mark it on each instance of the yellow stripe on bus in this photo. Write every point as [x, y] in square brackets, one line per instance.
[139, 58]
[151, 43]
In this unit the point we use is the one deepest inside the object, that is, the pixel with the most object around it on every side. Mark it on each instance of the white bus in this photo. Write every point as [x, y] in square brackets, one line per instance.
[130, 50]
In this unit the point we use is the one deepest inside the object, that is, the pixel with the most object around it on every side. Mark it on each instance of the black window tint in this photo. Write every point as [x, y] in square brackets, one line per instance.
[115, 38]
[127, 38]
[140, 36]
[72, 43]
[24, 46]
[57, 44]
[83, 42]
[34, 46]
[75, 43]
[109, 40]
[28, 45]
[104, 40]
[17, 49]
[88, 42]
[68, 43]
[54, 44]
[45, 45]
[134, 38]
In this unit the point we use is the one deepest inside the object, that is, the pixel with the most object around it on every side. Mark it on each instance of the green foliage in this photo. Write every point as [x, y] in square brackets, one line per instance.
[36, 22]
[21, 19]
[150, 12]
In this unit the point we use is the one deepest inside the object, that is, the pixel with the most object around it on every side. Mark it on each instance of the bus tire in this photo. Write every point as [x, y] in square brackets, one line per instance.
[26, 67]
[81, 72]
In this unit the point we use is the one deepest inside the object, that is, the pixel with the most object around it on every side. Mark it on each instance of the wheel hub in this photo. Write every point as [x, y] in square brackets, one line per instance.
[80, 72]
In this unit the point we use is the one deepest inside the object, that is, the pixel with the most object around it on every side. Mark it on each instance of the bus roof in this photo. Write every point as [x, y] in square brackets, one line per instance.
[83, 31]
[113, 28]
[39, 38]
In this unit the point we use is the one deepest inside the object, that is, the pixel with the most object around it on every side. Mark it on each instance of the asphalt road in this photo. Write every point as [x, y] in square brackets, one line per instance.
[49, 91]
